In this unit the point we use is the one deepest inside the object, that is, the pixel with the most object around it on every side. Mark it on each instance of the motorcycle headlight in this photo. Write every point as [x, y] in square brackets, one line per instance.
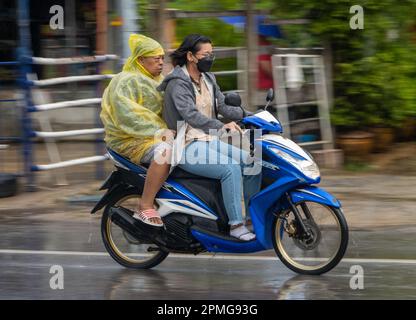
[307, 167]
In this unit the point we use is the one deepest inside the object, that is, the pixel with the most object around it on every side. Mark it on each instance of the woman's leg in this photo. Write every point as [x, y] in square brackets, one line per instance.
[196, 159]
[202, 160]
[251, 175]
[157, 173]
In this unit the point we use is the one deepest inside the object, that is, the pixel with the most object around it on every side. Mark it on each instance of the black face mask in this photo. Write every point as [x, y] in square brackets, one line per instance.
[205, 64]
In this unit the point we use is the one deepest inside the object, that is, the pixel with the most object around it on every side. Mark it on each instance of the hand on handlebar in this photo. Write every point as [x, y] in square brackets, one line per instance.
[233, 127]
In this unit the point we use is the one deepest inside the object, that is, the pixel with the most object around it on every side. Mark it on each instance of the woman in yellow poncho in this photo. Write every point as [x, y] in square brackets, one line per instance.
[132, 118]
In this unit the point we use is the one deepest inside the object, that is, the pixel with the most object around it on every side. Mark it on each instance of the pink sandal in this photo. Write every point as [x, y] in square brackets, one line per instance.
[146, 215]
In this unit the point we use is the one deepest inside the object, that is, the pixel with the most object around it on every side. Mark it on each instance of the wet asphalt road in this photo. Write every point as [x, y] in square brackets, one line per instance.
[32, 242]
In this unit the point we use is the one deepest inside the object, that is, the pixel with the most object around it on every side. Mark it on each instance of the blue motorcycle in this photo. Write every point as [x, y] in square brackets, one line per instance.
[302, 223]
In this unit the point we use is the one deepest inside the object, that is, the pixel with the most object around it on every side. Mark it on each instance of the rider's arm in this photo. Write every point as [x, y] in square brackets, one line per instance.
[179, 95]
[229, 112]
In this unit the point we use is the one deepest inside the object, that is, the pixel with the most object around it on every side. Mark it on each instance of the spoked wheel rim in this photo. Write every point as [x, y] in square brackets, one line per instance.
[125, 245]
[321, 248]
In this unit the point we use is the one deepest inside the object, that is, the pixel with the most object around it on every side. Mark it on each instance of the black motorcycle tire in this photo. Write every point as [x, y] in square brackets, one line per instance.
[147, 264]
[331, 264]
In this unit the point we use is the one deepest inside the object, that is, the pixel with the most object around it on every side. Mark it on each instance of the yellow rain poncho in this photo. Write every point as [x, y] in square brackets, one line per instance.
[131, 105]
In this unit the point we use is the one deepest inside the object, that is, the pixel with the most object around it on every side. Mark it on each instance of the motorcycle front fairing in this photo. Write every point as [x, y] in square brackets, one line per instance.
[263, 120]
[288, 179]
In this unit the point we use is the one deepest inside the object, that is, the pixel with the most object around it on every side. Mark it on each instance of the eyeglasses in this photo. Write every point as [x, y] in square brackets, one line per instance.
[208, 55]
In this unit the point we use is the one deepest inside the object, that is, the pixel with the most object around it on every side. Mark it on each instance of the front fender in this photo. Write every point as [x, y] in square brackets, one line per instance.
[314, 194]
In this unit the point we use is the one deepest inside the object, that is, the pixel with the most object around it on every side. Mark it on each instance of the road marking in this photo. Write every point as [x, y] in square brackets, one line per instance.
[202, 256]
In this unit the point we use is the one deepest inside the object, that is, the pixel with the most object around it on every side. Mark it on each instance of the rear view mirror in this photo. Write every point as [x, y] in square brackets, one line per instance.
[270, 95]
[233, 99]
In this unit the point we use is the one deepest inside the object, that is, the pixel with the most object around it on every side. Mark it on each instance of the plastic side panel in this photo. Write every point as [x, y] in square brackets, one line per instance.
[262, 204]
[315, 194]
[214, 244]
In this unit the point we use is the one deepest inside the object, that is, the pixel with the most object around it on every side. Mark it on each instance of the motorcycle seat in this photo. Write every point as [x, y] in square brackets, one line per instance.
[177, 173]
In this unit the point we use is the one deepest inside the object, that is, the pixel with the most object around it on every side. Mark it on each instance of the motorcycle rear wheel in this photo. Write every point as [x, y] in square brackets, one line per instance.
[118, 241]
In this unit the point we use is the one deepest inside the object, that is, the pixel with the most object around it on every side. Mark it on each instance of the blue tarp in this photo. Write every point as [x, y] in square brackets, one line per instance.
[267, 30]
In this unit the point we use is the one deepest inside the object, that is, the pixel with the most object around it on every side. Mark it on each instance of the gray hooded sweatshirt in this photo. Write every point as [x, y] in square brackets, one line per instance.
[179, 103]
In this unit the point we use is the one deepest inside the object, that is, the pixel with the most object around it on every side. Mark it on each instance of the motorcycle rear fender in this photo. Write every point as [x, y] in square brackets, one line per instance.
[112, 179]
[115, 186]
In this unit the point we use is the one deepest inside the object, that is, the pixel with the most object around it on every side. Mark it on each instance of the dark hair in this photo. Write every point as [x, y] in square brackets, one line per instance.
[191, 43]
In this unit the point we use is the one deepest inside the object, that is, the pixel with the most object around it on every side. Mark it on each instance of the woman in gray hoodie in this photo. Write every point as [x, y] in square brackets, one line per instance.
[192, 102]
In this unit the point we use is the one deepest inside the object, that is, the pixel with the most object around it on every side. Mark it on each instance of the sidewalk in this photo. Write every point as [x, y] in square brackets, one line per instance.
[374, 200]
[365, 185]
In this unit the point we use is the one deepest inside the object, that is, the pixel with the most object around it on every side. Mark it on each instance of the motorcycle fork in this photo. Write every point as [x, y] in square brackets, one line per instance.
[298, 217]
[306, 211]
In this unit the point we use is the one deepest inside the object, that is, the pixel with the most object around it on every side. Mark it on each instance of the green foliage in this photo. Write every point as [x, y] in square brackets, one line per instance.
[205, 5]
[220, 33]
[374, 69]
[209, 27]
[357, 166]
[376, 90]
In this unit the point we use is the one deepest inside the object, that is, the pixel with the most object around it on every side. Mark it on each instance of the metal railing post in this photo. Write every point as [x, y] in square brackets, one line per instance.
[24, 53]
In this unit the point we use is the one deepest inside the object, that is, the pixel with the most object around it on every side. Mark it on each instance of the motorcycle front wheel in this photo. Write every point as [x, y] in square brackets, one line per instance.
[322, 250]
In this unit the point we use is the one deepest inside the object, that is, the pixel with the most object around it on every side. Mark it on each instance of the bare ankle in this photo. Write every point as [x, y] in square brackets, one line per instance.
[235, 226]
[145, 206]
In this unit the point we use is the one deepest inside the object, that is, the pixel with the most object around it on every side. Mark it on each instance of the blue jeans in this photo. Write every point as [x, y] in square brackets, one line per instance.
[219, 160]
